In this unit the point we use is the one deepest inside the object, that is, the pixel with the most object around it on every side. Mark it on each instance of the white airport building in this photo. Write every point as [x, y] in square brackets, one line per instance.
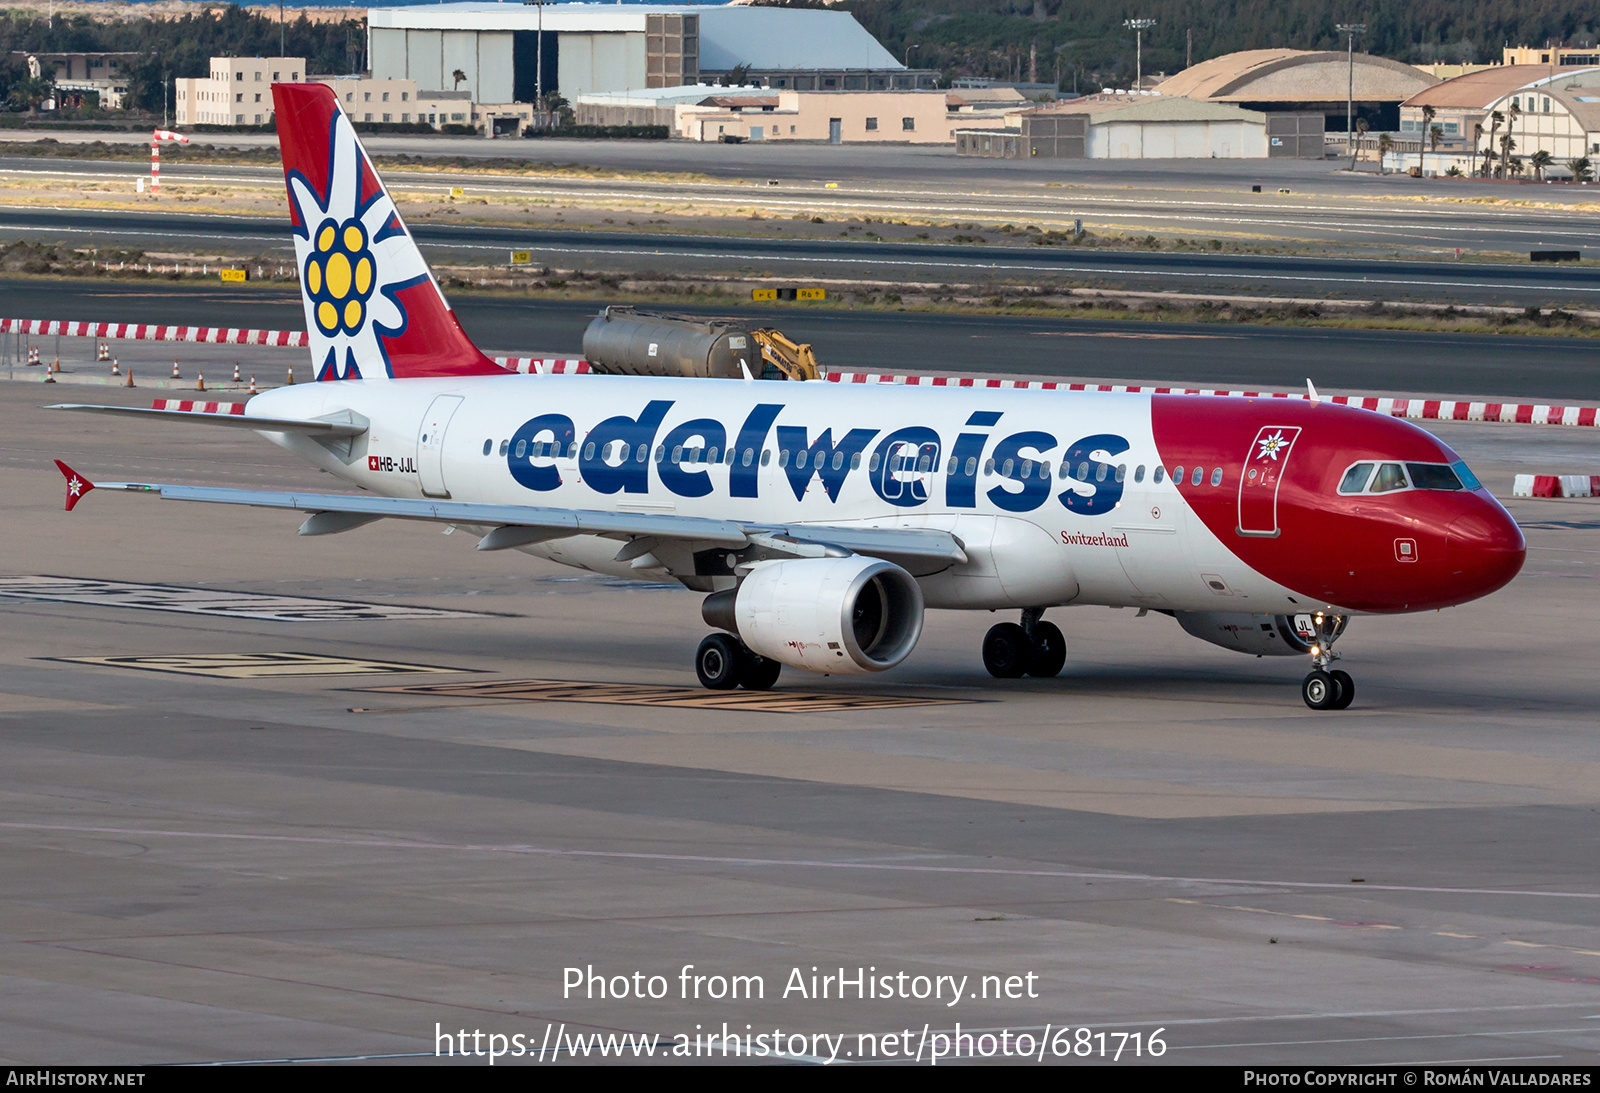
[516, 52]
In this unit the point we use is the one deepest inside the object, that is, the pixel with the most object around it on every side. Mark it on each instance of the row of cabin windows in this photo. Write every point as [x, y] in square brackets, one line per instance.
[923, 464]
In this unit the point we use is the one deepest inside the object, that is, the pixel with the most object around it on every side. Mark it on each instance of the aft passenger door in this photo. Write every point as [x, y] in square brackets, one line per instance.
[430, 444]
[1263, 473]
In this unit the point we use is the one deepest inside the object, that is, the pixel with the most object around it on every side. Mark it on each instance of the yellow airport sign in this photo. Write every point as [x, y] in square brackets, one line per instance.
[522, 258]
[762, 294]
[234, 274]
[811, 294]
[457, 191]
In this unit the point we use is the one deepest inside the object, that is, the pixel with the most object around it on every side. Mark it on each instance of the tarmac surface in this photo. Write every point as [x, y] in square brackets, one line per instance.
[1232, 356]
[633, 252]
[211, 857]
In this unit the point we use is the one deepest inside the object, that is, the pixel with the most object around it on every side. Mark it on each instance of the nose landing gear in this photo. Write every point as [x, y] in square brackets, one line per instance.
[723, 662]
[1035, 648]
[1323, 689]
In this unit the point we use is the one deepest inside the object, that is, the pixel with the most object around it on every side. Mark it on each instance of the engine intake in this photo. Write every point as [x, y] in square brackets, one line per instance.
[840, 616]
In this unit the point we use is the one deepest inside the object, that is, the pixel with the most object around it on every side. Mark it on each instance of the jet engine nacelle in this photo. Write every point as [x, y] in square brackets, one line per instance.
[1258, 635]
[840, 616]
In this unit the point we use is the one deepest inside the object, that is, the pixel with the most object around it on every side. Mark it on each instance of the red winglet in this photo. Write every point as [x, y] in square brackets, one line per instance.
[77, 484]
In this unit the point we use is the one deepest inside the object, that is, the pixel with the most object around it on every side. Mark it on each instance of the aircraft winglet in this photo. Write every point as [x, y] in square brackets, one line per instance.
[77, 484]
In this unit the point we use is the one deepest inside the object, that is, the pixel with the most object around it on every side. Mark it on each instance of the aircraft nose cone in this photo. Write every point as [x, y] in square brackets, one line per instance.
[1486, 549]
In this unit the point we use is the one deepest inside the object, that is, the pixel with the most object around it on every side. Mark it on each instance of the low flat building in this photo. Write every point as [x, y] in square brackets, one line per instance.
[834, 117]
[653, 105]
[373, 101]
[1112, 126]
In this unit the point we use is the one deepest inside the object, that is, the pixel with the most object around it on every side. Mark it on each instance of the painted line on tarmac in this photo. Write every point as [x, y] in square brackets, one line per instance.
[628, 694]
[260, 665]
[791, 863]
[212, 601]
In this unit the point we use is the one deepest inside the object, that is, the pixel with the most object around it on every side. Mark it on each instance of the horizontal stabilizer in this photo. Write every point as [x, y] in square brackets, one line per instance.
[238, 421]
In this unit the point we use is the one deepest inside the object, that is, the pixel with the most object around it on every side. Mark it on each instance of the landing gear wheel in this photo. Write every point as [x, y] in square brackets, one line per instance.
[1049, 650]
[1007, 651]
[1347, 689]
[1320, 691]
[720, 662]
[760, 672]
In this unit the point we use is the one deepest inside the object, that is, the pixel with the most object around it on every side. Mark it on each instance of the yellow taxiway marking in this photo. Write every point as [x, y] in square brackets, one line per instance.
[258, 665]
[628, 694]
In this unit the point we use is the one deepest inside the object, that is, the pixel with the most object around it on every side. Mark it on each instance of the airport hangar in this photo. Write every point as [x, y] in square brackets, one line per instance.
[515, 52]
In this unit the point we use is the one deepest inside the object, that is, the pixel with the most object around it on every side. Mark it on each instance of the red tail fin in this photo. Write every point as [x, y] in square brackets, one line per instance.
[77, 484]
[373, 309]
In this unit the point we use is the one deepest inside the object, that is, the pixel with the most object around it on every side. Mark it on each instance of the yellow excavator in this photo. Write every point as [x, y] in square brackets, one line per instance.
[784, 358]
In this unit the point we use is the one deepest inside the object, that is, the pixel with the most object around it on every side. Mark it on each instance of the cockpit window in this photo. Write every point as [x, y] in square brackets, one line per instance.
[1390, 476]
[1468, 479]
[1433, 476]
[1355, 479]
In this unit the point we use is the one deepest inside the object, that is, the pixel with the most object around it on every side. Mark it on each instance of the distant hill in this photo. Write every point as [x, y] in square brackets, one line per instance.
[1086, 37]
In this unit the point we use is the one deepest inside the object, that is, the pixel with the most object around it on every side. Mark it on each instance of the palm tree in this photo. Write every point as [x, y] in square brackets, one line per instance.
[1477, 135]
[1355, 145]
[1385, 146]
[1515, 165]
[1422, 134]
[1506, 142]
[1495, 119]
[457, 76]
[1539, 161]
[1506, 146]
[1579, 168]
[1436, 137]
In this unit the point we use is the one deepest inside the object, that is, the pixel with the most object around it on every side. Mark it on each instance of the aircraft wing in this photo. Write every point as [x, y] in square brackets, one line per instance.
[647, 538]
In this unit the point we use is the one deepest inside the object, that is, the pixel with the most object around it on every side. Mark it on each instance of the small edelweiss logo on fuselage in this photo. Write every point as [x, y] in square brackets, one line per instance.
[1271, 446]
[339, 276]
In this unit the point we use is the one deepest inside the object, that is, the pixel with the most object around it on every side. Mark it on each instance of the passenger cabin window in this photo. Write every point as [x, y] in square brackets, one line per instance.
[1390, 477]
[1355, 479]
[1138, 474]
[1161, 472]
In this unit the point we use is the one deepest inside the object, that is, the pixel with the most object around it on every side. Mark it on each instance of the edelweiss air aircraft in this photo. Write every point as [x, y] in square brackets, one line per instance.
[822, 521]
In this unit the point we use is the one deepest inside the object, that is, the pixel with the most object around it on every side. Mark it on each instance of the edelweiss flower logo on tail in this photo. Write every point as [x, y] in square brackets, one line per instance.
[354, 257]
[373, 311]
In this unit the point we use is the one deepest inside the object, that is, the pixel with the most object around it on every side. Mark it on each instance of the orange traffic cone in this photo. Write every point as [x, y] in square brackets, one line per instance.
[130, 377]
[201, 385]
[253, 390]
[175, 373]
[291, 377]
[235, 371]
[114, 370]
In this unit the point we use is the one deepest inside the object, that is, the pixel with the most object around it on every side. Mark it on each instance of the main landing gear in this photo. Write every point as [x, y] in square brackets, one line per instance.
[1323, 689]
[723, 662]
[1035, 648]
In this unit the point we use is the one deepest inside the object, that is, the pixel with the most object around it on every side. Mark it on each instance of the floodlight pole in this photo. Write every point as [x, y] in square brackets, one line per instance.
[1352, 29]
[1138, 26]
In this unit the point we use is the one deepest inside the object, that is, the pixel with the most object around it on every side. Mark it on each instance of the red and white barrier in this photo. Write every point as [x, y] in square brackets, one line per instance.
[217, 335]
[195, 406]
[1414, 408]
[1556, 485]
